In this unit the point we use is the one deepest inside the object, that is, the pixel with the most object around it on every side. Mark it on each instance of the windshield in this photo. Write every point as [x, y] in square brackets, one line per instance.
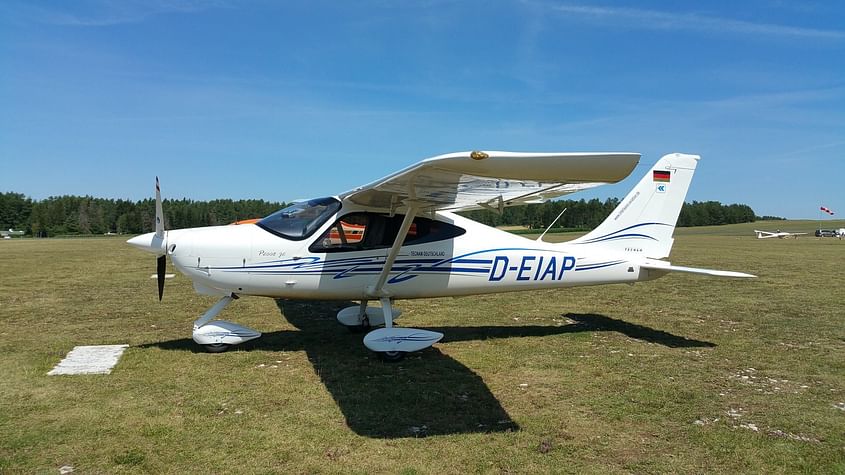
[300, 220]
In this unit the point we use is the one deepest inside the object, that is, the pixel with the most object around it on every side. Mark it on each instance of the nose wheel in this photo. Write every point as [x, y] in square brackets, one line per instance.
[216, 347]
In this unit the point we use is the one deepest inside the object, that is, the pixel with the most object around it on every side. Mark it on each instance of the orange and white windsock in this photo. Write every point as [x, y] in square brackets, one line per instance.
[826, 210]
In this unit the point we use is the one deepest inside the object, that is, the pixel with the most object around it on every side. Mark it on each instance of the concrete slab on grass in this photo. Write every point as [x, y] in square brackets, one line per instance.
[94, 359]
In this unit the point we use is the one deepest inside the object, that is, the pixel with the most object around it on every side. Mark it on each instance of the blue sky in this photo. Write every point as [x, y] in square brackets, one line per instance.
[289, 100]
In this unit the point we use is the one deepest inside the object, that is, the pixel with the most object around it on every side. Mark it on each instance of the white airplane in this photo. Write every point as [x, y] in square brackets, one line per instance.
[11, 232]
[777, 234]
[398, 238]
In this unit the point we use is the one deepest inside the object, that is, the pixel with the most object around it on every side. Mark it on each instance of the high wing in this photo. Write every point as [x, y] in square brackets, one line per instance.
[473, 180]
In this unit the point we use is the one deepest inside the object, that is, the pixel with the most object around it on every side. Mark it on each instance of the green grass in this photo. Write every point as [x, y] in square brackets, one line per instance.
[671, 375]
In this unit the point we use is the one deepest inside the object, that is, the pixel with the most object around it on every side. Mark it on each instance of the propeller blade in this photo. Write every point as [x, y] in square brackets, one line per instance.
[159, 213]
[161, 263]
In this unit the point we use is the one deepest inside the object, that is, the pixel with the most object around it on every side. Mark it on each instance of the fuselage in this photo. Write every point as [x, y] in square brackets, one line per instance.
[343, 255]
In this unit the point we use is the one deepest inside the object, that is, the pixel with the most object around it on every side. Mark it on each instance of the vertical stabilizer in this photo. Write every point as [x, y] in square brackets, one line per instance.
[644, 221]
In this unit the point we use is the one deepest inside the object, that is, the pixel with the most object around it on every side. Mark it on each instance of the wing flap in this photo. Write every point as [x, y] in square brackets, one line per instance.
[473, 180]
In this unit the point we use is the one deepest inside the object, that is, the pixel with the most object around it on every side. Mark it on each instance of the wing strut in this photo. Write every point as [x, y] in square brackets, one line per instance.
[378, 289]
[389, 342]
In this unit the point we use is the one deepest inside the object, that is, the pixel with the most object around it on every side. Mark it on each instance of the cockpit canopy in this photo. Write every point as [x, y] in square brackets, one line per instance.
[300, 220]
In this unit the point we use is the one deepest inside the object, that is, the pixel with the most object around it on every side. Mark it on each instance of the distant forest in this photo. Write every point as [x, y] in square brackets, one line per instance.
[82, 215]
[85, 215]
[584, 215]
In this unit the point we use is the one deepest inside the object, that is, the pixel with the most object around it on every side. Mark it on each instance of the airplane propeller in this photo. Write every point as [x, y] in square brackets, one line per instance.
[161, 262]
[155, 242]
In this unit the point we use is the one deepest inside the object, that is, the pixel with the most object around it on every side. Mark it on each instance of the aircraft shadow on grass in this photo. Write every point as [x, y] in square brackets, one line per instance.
[427, 393]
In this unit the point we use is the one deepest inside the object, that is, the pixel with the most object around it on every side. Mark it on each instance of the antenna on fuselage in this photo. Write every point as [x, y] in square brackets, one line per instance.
[550, 226]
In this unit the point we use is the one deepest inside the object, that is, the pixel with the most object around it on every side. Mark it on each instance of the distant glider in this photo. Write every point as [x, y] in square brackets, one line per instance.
[777, 234]
[399, 238]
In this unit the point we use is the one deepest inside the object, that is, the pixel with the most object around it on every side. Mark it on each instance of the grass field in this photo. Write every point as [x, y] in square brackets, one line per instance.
[681, 374]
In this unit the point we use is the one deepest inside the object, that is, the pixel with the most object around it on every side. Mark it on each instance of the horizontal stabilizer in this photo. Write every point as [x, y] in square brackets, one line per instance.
[666, 267]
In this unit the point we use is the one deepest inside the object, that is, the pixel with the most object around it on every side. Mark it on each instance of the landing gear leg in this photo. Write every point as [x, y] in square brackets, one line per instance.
[393, 343]
[219, 335]
[363, 318]
[387, 308]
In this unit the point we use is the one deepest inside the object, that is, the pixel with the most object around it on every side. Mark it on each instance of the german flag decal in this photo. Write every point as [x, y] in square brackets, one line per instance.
[662, 175]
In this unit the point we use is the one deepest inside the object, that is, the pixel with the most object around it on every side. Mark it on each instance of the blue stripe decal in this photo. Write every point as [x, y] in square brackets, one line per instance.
[616, 234]
[625, 236]
[405, 267]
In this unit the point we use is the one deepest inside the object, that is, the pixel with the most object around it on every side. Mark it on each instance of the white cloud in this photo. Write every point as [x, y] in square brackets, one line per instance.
[97, 13]
[661, 20]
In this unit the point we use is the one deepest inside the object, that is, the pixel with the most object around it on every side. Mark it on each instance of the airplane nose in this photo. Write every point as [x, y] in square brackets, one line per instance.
[148, 242]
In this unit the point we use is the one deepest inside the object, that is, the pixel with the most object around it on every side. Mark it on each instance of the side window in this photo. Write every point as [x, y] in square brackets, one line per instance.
[346, 234]
[365, 231]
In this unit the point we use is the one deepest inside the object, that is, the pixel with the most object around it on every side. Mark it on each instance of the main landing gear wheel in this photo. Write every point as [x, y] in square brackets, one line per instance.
[363, 327]
[361, 318]
[391, 343]
[391, 356]
[216, 347]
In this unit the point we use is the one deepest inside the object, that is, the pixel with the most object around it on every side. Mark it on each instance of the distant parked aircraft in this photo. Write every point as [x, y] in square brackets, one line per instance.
[11, 232]
[778, 234]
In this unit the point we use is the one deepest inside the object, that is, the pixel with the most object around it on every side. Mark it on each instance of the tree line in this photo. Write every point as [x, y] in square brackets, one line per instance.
[585, 215]
[85, 215]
